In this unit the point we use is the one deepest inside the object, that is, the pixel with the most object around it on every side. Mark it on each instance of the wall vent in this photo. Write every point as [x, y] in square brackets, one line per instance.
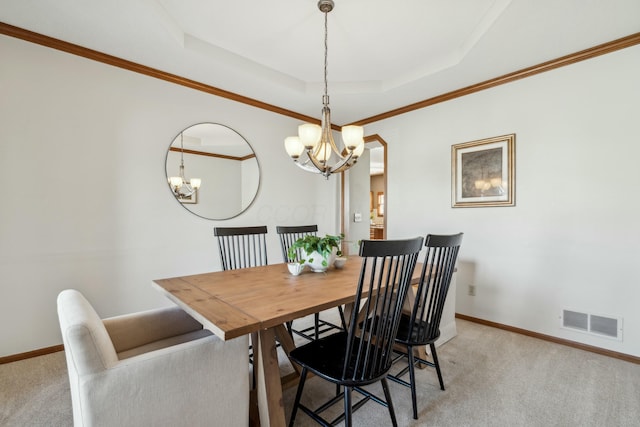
[594, 324]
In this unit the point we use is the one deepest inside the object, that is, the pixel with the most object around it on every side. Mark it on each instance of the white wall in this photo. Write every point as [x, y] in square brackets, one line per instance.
[82, 162]
[357, 201]
[250, 175]
[573, 238]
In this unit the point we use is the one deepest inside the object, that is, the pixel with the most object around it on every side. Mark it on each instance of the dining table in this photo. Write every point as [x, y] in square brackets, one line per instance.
[259, 301]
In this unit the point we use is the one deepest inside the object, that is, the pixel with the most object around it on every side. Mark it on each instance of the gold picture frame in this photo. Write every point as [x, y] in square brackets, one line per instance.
[192, 199]
[483, 172]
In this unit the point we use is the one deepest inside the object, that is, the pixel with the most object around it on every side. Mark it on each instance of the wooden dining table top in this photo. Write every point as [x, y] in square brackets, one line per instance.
[233, 303]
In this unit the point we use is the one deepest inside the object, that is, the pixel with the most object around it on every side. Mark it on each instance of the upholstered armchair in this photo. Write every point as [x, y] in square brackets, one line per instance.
[155, 368]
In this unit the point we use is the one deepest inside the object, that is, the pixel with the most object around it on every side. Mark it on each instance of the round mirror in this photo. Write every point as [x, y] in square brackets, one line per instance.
[212, 171]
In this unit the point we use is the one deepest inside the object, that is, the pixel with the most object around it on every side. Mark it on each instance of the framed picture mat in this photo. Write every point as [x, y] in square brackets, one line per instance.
[483, 172]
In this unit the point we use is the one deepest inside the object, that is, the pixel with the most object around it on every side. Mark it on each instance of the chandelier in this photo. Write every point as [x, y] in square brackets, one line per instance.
[317, 141]
[181, 186]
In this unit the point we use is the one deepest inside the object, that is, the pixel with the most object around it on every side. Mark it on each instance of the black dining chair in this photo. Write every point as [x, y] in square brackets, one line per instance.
[421, 326]
[288, 235]
[242, 247]
[363, 354]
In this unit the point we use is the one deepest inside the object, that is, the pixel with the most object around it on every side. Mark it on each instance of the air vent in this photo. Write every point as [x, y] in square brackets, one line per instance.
[594, 324]
[575, 320]
[604, 325]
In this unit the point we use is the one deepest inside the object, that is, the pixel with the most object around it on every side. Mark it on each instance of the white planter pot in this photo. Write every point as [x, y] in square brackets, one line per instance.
[317, 263]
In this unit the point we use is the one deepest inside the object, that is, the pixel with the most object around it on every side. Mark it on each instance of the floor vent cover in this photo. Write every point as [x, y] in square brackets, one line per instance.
[594, 324]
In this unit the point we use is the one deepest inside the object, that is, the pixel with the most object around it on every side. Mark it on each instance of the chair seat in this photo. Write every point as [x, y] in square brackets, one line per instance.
[418, 336]
[325, 358]
[167, 342]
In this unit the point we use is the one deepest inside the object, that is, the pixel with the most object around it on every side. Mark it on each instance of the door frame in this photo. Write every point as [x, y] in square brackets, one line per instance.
[368, 139]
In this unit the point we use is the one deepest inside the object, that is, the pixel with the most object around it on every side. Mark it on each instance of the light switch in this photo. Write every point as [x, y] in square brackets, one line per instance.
[357, 217]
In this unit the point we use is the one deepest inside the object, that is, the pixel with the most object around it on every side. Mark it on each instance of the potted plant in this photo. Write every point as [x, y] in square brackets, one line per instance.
[319, 251]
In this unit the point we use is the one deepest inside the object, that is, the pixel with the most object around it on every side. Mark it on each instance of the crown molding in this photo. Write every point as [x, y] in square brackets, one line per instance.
[582, 55]
[207, 154]
[74, 49]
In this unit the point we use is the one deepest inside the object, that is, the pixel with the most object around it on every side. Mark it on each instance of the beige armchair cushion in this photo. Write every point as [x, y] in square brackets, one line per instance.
[84, 332]
[155, 368]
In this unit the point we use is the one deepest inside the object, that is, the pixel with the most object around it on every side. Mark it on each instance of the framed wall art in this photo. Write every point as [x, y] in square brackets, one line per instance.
[483, 172]
[192, 199]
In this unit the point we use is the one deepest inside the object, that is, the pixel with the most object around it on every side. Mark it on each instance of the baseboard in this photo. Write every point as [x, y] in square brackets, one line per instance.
[556, 340]
[30, 354]
[569, 343]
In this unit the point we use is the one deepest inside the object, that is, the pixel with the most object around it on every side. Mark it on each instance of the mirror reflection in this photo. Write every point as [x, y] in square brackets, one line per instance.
[212, 171]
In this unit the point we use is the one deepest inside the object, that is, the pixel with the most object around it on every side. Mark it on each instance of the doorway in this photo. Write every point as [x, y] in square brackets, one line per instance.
[377, 191]
[357, 202]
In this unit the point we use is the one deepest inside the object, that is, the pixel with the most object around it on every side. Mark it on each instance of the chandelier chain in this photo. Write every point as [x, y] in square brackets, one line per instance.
[326, 49]
[181, 149]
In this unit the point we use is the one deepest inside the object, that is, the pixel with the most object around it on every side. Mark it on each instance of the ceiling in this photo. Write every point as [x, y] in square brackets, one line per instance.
[382, 54]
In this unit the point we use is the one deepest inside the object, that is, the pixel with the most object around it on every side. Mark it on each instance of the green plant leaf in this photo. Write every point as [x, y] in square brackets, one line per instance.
[310, 243]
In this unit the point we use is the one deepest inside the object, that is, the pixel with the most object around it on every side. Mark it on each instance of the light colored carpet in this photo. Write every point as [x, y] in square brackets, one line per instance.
[492, 378]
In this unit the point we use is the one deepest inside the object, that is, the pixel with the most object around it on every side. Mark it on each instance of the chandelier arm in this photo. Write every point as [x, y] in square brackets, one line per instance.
[317, 163]
[335, 148]
[306, 167]
[327, 134]
[323, 138]
[342, 165]
[311, 164]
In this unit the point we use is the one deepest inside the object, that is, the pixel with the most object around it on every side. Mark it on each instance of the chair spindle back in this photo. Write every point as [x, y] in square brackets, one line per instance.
[242, 247]
[385, 277]
[435, 278]
[289, 234]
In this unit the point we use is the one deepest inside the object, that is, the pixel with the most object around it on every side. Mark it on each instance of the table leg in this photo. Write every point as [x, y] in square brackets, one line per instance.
[268, 387]
[348, 310]
[287, 344]
[421, 352]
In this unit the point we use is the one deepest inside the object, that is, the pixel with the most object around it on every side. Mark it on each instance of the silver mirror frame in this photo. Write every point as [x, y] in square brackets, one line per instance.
[185, 203]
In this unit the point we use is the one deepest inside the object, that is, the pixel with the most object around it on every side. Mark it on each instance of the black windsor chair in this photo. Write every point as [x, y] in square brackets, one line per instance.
[288, 235]
[363, 355]
[242, 247]
[421, 327]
